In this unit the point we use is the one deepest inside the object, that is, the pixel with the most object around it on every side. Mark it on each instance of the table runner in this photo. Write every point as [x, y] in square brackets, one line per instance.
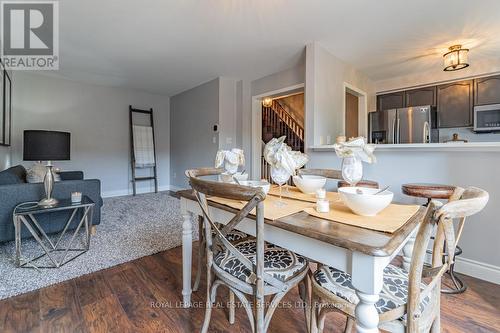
[388, 220]
[271, 211]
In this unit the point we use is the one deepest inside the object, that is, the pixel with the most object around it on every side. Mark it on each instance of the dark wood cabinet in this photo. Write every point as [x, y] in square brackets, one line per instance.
[454, 104]
[391, 101]
[420, 97]
[487, 90]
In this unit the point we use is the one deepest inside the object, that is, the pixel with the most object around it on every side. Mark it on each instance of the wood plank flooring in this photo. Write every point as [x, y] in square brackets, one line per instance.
[145, 296]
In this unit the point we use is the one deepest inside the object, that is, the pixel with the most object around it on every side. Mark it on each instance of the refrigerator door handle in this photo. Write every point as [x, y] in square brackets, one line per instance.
[397, 134]
[426, 135]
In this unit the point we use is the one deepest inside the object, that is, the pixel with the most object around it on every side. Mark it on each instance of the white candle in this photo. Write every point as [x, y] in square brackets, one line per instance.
[322, 206]
[76, 197]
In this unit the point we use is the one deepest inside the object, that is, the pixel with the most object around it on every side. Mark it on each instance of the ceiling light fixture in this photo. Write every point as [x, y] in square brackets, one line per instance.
[456, 58]
[267, 102]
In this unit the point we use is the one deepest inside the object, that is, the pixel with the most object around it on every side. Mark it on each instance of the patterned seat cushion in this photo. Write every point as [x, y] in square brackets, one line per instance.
[280, 263]
[394, 291]
[233, 235]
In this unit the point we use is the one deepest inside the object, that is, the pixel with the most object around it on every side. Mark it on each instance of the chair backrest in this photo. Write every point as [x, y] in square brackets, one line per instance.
[254, 198]
[462, 204]
[327, 173]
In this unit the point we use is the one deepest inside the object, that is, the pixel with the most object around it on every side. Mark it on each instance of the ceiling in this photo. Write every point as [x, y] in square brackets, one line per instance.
[167, 46]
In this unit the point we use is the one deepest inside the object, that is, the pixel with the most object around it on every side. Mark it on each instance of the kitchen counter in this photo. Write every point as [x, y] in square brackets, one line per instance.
[451, 146]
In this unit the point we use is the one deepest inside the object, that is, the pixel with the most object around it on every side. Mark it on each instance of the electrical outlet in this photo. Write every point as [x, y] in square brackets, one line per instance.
[229, 141]
[175, 175]
[214, 139]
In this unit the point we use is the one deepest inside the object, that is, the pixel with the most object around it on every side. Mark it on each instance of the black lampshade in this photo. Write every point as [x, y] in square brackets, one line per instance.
[46, 145]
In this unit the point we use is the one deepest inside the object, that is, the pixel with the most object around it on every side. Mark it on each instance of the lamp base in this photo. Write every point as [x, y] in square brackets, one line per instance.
[48, 202]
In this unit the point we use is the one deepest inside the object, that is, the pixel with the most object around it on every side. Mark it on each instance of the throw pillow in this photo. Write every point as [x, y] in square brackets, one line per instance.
[37, 172]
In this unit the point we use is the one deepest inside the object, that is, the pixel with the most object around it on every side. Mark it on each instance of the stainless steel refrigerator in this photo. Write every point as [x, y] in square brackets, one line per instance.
[408, 125]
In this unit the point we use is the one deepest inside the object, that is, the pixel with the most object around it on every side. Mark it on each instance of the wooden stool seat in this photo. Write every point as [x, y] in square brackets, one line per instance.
[428, 191]
[361, 183]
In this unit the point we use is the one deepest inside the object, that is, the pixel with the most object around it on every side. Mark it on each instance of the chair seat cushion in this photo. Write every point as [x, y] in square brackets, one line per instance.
[232, 236]
[394, 291]
[280, 263]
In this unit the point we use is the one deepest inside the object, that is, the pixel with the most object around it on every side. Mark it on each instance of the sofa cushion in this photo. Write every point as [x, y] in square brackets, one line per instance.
[36, 174]
[13, 175]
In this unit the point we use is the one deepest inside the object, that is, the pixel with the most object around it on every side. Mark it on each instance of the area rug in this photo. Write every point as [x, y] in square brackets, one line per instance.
[131, 227]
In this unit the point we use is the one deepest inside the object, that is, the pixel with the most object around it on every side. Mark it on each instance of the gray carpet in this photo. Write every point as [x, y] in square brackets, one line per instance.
[131, 227]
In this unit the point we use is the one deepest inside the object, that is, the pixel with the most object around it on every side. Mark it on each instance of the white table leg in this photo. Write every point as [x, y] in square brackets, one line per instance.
[367, 278]
[408, 251]
[187, 249]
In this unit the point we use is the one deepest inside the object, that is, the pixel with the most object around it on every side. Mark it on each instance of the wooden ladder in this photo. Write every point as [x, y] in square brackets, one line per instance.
[133, 164]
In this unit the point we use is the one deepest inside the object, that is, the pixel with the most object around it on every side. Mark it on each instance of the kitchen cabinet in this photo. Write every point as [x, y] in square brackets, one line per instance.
[420, 97]
[391, 101]
[487, 90]
[454, 104]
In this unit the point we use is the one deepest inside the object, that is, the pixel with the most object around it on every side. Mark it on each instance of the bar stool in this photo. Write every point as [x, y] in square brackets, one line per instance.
[361, 183]
[439, 191]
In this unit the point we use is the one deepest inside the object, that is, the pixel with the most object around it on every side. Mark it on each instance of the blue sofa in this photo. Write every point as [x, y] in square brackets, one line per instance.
[14, 189]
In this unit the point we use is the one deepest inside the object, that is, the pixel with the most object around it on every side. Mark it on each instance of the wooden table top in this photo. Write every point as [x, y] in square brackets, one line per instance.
[354, 238]
[428, 191]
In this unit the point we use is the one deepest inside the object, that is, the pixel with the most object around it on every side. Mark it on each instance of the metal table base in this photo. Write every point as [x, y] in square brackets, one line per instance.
[50, 249]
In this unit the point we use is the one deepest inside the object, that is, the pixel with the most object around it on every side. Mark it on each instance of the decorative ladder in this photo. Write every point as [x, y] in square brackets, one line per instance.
[132, 153]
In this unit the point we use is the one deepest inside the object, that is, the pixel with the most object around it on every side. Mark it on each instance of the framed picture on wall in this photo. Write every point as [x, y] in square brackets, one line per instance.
[7, 102]
[2, 105]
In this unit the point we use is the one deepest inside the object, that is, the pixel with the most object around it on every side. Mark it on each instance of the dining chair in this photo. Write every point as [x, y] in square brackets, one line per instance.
[232, 236]
[409, 301]
[249, 267]
[337, 174]
[327, 173]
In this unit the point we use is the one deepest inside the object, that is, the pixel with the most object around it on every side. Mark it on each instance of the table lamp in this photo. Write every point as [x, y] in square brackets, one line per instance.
[47, 146]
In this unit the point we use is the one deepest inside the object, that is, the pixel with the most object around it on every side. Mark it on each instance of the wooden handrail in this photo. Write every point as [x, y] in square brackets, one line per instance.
[288, 119]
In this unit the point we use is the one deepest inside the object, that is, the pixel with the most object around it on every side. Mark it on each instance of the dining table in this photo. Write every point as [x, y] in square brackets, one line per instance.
[362, 252]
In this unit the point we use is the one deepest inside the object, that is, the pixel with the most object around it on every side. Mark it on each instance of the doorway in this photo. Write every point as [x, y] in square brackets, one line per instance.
[275, 114]
[351, 115]
[355, 112]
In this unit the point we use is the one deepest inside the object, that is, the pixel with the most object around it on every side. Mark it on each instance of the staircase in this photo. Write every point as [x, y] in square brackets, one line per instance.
[277, 122]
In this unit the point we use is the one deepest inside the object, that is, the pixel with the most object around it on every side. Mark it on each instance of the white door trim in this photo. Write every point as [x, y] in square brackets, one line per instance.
[362, 108]
[257, 125]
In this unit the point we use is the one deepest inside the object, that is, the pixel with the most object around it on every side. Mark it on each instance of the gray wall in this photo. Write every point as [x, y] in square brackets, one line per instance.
[4, 157]
[192, 116]
[97, 117]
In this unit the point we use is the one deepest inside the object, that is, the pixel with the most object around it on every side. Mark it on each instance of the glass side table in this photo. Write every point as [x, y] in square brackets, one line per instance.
[57, 253]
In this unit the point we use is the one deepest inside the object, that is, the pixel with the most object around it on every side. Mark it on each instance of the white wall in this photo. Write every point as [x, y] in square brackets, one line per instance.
[324, 93]
[4, 157]
[192, 116]
[98, 119]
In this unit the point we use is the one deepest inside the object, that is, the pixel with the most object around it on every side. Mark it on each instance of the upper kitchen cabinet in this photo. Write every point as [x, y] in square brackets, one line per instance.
[454, 104]
[420, 97]
[391, 101]
[487, 90]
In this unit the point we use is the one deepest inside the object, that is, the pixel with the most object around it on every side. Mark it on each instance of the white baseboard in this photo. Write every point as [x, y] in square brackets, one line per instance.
[120, 193]
[477, 269]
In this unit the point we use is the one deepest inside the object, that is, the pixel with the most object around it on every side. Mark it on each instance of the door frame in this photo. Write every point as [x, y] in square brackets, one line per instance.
[362, 108]
[257, 124]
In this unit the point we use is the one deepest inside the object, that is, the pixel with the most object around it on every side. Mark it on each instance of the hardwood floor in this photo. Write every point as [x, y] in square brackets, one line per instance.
[145, 296]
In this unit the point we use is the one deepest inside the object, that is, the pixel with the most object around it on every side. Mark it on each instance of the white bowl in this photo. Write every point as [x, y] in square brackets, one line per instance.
[263, 184]
[309, 184]
[365, 204]
[240, 176]
[228, 178]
